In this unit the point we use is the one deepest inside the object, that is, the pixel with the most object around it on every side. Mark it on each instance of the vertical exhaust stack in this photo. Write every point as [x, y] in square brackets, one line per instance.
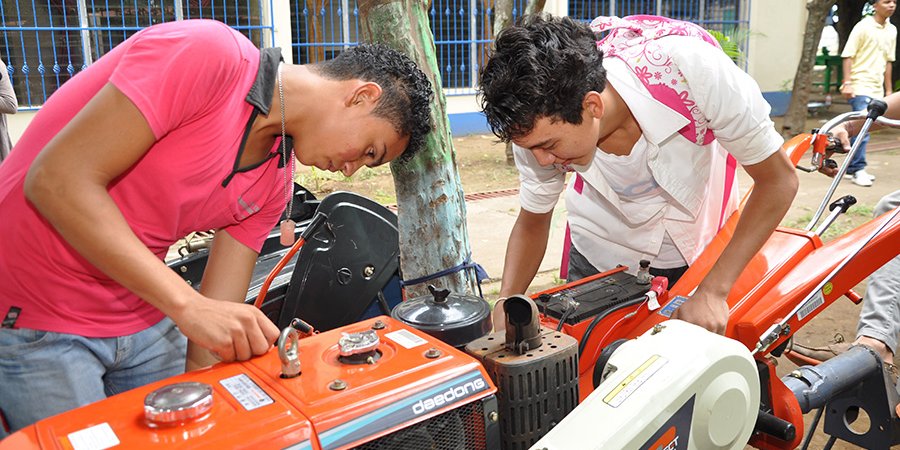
[523, 328]
[536, 372]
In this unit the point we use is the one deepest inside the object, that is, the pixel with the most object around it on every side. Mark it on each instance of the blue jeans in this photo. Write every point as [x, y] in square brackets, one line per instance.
[859, 103]
[43, 373]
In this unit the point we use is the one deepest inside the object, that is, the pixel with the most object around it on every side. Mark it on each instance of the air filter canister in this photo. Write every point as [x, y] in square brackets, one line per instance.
[536, 389]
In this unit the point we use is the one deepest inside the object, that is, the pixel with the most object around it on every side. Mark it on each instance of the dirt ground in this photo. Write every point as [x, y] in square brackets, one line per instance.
[482, 168]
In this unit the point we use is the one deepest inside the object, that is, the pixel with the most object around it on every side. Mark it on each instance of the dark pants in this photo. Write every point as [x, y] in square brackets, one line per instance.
[579, 268]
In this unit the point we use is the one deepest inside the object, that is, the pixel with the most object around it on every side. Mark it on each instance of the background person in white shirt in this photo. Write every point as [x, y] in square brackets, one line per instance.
[648, 193]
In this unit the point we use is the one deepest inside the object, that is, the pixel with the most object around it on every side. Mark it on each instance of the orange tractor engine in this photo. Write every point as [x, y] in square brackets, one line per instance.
[375, 384]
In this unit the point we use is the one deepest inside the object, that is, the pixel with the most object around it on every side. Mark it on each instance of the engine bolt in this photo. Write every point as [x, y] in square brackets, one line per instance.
[657, 328]
[493, 416]
[368, 271]
[338, 385]
[378, 325]
[432, 353]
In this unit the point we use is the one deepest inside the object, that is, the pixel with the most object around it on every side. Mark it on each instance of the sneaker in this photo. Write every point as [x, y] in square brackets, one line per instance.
[860, 179]
[863, 173]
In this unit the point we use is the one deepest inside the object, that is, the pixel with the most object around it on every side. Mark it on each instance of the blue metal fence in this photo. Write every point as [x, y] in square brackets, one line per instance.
[462, 35]
[463, 29]
[722, 15]
[46, 42]
[731, 17]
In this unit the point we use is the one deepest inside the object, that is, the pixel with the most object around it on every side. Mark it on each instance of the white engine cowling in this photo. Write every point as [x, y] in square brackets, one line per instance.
[675, 387]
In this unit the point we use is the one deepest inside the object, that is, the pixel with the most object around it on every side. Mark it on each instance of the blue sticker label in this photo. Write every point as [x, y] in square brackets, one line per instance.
[672, 306]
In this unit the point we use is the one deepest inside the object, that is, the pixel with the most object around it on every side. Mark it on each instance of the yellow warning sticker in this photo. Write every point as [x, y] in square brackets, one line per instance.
[827, 288]
[634, 380]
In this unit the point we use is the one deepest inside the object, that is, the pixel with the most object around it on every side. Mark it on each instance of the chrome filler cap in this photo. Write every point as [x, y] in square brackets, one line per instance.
[177, 403]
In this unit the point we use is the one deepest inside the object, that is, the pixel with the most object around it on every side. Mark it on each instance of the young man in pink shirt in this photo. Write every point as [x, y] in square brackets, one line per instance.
[185, 126]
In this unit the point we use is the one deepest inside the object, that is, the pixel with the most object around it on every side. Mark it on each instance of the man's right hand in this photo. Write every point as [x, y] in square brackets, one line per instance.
[847, 90]
[231, 331]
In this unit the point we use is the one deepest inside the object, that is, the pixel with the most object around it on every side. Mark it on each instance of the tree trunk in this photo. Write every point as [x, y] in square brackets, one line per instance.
[849, 12]
[503, 16]
[535, 6]
[502, 19]
[895, 66]
[315, 53]
[795, 119]
[432, 212]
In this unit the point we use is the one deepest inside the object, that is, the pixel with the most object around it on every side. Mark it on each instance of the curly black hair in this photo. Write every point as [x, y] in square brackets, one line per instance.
[541, 67]
[406, 92]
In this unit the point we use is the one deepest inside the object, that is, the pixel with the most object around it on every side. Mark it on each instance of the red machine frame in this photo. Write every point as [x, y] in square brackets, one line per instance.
[785, 271]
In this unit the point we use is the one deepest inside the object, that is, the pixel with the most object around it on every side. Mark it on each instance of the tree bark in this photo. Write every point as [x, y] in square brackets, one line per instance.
[895, 66]
[503, 14]
[432, 212]
[534, 6]
[503, 18]
[795, 119]
[849, 12]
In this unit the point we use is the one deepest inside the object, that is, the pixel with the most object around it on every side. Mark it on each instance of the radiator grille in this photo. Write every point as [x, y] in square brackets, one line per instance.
[461, 428]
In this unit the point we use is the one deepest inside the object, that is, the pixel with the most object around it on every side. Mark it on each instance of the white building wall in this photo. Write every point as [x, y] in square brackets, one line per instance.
[776, 39]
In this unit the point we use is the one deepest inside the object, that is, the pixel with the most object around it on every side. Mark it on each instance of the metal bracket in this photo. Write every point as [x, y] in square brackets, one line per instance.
[878, 397]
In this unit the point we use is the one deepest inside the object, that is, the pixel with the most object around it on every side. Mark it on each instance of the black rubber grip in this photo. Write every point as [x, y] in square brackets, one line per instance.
[876, 109]
[775, 426]
[844, 203]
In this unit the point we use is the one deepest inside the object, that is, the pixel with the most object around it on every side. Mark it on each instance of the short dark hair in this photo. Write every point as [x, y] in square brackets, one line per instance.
[406, 92]
[541, 67]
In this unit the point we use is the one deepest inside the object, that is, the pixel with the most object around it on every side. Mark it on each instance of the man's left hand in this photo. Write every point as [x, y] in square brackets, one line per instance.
[840, 137]
[705, 310]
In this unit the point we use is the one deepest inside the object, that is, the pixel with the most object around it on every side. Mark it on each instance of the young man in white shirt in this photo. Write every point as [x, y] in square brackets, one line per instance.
[648, 193]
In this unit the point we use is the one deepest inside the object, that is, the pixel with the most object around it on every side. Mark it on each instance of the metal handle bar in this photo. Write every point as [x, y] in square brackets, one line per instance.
[855, 115]
[874, 114]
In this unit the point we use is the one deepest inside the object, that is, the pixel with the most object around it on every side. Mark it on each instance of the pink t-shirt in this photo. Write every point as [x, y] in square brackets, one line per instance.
[189, 80]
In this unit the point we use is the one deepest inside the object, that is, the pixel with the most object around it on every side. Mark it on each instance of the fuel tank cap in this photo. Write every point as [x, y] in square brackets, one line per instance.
[177, 403]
